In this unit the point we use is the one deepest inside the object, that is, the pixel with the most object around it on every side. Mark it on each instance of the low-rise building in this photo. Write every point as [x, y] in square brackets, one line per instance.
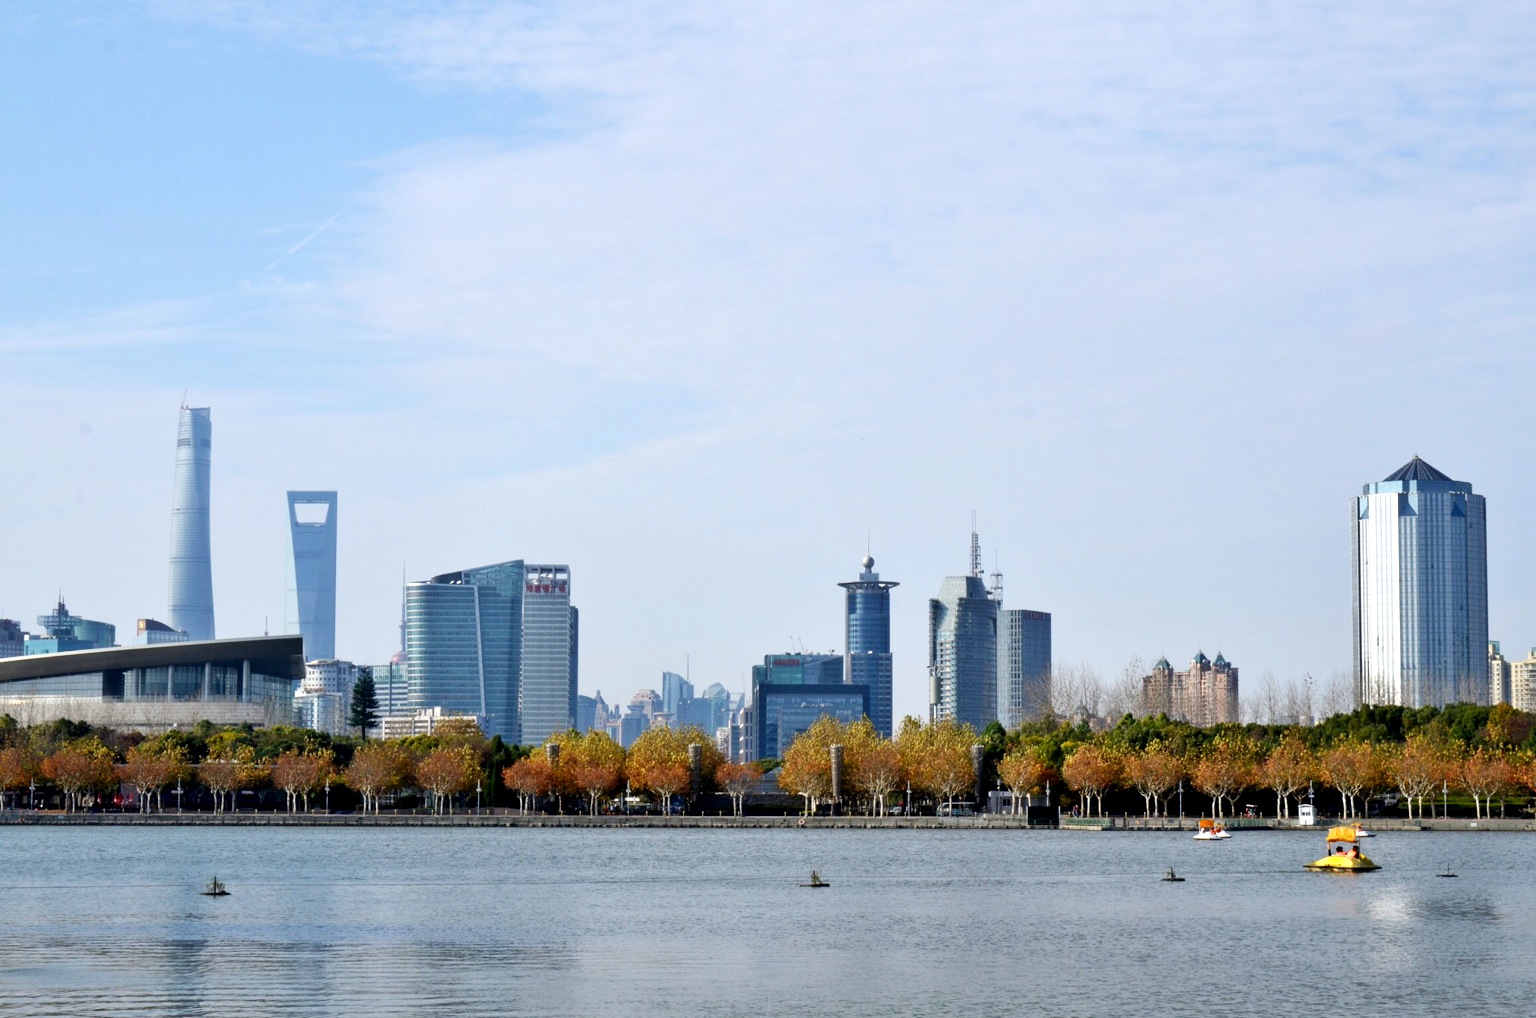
[152, 688]
[423, 721]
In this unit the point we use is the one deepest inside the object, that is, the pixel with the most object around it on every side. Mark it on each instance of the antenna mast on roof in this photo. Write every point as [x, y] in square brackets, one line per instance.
[975, 548]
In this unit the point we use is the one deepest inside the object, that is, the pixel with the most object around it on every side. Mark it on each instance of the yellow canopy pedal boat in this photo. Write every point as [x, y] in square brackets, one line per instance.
[1342, 859]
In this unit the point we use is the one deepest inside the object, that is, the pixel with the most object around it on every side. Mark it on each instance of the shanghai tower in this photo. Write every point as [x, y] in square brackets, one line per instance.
[191, 602]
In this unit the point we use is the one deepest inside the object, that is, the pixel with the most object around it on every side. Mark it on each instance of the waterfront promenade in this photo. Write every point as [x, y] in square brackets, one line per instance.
[512, 819]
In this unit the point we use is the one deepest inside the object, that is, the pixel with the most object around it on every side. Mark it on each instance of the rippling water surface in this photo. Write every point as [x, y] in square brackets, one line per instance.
[575, 922]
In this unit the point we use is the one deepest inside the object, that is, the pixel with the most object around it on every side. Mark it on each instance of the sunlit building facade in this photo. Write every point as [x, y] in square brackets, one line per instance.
[962, 653]
[1419, 551]
[1023, 666]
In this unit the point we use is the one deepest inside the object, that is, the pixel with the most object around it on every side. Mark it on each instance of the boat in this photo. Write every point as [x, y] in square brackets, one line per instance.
[1210, 830]
[816, 881]
[215, 889]
[1340, 860]
[1361, 832]
[1171, 877]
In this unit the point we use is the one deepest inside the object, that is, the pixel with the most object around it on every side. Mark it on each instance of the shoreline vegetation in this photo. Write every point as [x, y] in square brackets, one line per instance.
[1421, 767]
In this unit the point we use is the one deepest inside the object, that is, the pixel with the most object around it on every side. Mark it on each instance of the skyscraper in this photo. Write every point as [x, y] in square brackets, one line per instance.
[498, 641]
[868, 641]
[1420, 575]
[962, 649]
[1023, 665]
[191, 601]
[310, 609]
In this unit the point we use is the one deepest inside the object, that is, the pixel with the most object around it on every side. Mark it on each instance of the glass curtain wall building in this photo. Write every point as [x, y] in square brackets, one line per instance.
[310, 609]
[868, 640]
[1023, 666]
[499, 641]
[962, 653]
[191, 600]
[1419, 549]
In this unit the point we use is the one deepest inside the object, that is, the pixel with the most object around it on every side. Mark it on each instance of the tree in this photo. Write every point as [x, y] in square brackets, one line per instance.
[737, 779]
[871, 766]
[807, 767]
[299, 774]
[1416, 769]
[376, 769]
[1022, 771]
[530, 777]
[228, 774]
[659, 760]
[18, 768]
[1287, 770]
[80, 767]
[1351, 767]
[447, 771]
[1152, 773]
[149, 767]
[363, 714]
[1091, 771]
[937, 758]
[1482, 775]
[595, 764]
[1225, 769]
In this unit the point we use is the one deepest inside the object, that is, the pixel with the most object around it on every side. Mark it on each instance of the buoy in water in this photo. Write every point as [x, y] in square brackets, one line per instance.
[816, 881]
[215, 889]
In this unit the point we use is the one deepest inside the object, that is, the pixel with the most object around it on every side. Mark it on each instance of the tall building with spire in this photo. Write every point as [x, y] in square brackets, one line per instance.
[962, 648]
[1419, 566]
[191, 589]
[868, 641]
[310, 608]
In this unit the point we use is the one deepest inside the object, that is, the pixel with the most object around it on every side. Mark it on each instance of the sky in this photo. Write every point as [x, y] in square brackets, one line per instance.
[704, 299]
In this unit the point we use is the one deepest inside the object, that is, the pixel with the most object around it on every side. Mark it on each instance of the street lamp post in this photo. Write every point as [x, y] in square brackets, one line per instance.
[327, 796]
[178, 795]
[1181, 800]
[1445, 806]
[477, 798]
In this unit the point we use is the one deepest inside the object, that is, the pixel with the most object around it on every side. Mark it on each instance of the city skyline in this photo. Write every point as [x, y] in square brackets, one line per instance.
[593, 291]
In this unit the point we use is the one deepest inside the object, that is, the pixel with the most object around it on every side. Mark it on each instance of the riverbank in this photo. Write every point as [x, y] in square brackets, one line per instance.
[1001, 823]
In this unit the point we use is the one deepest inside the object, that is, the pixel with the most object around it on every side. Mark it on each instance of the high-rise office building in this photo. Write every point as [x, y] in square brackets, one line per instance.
[310, 608]
[191, 600]
[868, 640]
[499, 641]
[962, 649]
[1023, 666]
[68, 632]
[676, 691]
[13, 638]
[1420, 576]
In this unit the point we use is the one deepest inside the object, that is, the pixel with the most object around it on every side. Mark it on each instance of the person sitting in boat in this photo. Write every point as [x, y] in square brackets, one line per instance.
[1354, 853]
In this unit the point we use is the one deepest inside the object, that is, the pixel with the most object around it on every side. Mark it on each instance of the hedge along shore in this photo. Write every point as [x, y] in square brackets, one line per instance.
[998, 823]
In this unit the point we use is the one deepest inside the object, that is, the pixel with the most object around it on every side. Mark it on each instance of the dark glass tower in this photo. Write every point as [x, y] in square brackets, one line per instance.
[869, 641]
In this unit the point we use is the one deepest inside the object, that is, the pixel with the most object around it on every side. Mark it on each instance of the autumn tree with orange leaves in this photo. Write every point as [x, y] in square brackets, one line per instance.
[1091, 771]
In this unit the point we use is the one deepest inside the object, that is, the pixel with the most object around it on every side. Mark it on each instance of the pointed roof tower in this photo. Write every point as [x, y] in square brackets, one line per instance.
[1416, 470]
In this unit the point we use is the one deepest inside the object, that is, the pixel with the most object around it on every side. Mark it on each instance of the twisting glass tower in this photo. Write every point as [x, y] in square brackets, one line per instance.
[191, 601]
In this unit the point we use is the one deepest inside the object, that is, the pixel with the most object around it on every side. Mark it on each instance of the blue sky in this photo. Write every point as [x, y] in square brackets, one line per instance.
[695, 296]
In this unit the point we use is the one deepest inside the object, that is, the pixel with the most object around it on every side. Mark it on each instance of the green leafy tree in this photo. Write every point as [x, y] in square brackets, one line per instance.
[364, 712]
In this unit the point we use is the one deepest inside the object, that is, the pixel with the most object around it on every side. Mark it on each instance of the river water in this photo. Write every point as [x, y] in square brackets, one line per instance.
[108, 921]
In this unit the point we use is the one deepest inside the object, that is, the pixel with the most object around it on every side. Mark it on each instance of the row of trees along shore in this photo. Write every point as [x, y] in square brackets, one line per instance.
[1486, 756]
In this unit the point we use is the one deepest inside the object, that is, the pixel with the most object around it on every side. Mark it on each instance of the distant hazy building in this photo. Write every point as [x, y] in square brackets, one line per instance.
[1206, 694]
[422, 722]
[675, 692]
[154, 688]
[391, 687]
[1498, 675]
[499, 642]
[1023, 666]
[868, 640]
[324, 697]
[962, 649]
[12, 638]
[191, 601]
[310, 607]
[1522, 683]
[66, 632]
[1420, 575]
[150, 631]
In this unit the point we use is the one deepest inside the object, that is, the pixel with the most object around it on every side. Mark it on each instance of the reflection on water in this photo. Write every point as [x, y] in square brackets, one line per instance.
[549, 922]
